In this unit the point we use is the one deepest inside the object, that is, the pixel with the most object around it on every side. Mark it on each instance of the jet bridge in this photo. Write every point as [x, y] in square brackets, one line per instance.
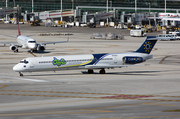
[92, 19]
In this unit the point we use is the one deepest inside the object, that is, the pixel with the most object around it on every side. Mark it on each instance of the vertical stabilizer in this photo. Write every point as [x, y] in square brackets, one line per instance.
[148, 45]
[19, 32]
[18, 9]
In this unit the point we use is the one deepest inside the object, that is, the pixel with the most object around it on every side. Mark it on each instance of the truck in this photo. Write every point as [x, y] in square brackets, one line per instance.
[168, 36]
[137, 33]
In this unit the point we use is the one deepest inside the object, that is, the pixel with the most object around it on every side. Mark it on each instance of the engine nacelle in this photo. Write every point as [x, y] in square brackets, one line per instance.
[13, 48]
[42, 48]
[132, 60]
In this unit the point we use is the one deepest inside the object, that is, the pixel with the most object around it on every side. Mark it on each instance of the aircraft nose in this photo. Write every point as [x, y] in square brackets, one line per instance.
[17, 68]
[32, 46]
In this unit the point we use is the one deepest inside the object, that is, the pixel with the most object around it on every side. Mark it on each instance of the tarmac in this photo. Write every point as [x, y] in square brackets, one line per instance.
[151, 90]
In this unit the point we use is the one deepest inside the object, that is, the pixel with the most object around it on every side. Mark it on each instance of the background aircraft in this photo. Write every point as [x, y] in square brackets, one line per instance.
[89, 61]
[27, 43]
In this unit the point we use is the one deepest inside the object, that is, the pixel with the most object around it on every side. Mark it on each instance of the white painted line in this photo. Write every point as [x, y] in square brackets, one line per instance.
[35, 80]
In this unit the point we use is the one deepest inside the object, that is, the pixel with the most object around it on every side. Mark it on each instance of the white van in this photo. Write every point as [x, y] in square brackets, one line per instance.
[138, 33]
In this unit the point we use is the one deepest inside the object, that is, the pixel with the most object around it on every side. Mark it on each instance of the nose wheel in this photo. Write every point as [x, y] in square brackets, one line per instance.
[20, 74]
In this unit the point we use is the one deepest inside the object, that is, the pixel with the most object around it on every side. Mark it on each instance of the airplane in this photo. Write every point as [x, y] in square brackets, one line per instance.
[88, 61]
[26, 42]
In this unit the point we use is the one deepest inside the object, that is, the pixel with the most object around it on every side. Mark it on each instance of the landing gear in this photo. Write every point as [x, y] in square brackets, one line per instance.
[90, 71]
[102, 71]
[20, 74]
[16, 50]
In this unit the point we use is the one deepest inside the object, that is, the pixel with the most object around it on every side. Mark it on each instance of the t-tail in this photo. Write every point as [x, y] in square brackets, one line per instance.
[148, 45]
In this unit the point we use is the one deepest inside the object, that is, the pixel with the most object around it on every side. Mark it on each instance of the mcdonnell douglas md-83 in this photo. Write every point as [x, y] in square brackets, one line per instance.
[89, 61]
[28, 43]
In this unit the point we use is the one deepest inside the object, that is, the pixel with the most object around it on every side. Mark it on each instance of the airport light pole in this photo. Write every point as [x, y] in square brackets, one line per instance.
[111, 4]
[32, 6]
[135, 6]
[72, 4]
[107, 11]
[165, 6]
[14, 3]
[61, 11]
[6, 9]
[149, 12]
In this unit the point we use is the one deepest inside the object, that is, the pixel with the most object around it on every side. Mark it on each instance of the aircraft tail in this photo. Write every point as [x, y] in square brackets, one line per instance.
[148, 45]
[19, 32]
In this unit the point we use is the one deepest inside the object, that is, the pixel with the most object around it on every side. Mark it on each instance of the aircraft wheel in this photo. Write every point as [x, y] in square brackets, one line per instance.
[20, 74]
[16, 50]
[102, 71]
[90, 71]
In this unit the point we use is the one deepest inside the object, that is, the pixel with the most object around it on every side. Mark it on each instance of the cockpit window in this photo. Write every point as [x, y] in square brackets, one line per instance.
[31, 41]
[24, 61]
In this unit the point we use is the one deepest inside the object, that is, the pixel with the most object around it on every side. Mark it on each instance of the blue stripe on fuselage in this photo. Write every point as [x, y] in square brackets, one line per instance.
[97, 58]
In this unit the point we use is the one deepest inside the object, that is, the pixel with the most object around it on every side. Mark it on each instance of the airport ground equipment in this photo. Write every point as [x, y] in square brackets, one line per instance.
[137, 33]
[168, 36]
[107, 36]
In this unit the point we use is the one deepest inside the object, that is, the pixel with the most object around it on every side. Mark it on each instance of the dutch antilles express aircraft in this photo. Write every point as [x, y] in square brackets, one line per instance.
[89, 61]
[26, 42]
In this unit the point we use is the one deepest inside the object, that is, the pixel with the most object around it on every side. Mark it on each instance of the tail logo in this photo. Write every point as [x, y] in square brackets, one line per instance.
[147, 46]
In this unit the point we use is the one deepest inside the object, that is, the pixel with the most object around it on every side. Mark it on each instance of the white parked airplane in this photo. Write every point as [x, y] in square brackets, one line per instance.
[28, 43]
[89, 61]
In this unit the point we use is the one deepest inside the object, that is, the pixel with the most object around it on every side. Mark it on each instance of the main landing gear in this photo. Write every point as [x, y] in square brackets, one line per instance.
[102, 71]
[20, 74]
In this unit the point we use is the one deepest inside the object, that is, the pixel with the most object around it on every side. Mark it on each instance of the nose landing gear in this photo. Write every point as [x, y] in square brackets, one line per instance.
[20, 74]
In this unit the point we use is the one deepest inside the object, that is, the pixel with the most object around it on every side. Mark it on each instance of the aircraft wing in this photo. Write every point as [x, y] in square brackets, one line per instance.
[15, 44]
[10, 36]
[52, 42]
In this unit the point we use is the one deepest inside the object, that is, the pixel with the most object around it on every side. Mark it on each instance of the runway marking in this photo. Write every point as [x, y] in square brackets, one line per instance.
[79, 111]
[156, 103]
[32, 54]
[3, 86]
[34, 80]
[88, 110]
[144, 117]
[115, 96]
[48, 103]
[58, 112]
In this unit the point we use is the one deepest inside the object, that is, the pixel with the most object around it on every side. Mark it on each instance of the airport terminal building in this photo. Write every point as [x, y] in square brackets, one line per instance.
[128, 5]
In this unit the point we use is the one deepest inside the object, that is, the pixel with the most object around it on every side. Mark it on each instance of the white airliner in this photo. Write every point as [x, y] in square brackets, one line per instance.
[89, 61]
[28, 43]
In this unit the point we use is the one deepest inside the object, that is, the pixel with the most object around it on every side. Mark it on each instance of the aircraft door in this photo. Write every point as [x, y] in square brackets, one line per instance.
[31, 63]
[115, 59]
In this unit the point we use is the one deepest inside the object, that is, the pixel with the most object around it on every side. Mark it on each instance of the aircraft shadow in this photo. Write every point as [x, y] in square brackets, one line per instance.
[39, 51]
[135, 73]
